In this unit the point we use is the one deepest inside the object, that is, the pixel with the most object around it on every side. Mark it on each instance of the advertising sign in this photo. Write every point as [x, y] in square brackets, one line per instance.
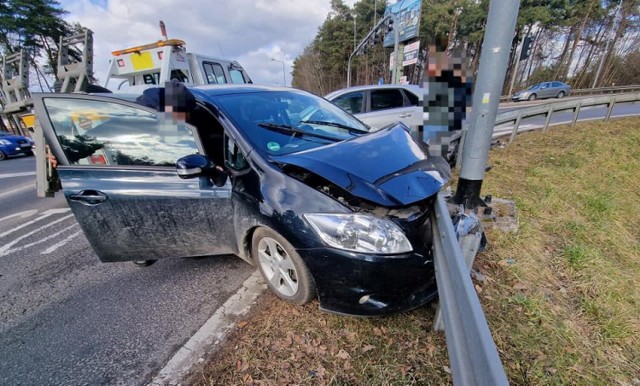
[411, 53]
[407, 14]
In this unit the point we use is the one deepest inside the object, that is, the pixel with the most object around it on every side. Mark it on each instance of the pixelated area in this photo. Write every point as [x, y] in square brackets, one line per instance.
[447, 97]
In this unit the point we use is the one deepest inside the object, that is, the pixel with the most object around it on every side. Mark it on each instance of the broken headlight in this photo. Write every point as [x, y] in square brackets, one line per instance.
[360, 233]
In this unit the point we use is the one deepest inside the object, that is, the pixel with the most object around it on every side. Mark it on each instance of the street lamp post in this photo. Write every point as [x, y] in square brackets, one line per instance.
[284, 78]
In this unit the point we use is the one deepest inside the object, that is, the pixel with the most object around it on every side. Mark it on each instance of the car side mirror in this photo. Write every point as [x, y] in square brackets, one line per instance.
[194, 165]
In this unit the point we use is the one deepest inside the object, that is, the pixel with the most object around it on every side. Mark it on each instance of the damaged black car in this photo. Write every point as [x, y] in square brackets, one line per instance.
[279, 177]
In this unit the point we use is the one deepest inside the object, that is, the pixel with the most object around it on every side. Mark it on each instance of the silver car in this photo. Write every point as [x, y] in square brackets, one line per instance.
[543, 90]
[381, 105]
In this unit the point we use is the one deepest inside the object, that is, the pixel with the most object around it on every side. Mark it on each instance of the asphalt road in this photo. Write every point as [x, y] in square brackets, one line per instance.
[67, 319]
[587, 113]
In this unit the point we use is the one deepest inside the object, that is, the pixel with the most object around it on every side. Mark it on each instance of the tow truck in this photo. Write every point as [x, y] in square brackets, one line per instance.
[154, 64]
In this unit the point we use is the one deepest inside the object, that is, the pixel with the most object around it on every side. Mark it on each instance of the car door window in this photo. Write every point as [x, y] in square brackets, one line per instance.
[351, 103]
[236, 76]
[386, 99]
[413, 99]
[214, 73]
[557, 84]
[94, 132]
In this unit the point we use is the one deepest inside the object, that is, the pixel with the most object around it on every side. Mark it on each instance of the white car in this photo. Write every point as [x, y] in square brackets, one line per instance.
[382, 105]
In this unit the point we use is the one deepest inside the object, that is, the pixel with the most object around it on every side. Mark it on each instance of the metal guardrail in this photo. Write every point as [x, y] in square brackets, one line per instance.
[472, 353]
[548, 109]
[592, 91]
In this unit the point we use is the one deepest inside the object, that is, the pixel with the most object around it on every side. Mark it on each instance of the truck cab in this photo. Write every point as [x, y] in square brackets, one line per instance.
[156, 63]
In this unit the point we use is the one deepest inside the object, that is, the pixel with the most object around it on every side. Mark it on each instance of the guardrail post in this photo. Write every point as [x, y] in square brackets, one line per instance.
[576, 113]
[548, 119]
[612, 102]
[516, 126]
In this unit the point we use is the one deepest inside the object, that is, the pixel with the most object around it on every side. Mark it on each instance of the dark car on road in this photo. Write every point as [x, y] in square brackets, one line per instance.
[319, 204]
[13, 145]
[543, 90]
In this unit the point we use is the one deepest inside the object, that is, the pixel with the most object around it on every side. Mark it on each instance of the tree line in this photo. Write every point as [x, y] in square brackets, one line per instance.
[571, 40]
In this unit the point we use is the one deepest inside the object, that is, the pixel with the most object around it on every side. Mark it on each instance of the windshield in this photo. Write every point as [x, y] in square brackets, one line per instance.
[4, 134]
[283, 122]
[535, 86]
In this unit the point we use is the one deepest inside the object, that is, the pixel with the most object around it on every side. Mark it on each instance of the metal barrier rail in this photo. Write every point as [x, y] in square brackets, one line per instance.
[592, 91]
[548, 109]
[472, 353]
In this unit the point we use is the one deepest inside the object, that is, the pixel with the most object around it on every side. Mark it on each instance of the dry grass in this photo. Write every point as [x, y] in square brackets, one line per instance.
[561, 295]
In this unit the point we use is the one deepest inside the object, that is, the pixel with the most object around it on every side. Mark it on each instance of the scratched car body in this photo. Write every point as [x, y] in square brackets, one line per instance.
[320, 205]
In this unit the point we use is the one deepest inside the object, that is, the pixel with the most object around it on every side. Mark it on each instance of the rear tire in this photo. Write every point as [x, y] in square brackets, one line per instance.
[560, 95]
[532, 97]
[282, 267]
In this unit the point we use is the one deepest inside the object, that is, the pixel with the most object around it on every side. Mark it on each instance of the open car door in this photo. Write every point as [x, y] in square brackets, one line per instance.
[116, 164]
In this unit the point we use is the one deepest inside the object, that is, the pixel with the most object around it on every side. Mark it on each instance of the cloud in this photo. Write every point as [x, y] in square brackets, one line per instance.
[250, 31]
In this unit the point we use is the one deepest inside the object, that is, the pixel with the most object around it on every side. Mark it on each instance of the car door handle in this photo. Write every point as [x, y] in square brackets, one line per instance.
[89, 197]
[405, 115]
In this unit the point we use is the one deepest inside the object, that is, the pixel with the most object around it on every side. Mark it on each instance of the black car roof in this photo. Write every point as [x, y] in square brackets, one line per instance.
[227, 89]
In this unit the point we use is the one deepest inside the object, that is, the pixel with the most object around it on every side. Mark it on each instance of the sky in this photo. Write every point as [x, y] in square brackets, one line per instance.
[250, 31]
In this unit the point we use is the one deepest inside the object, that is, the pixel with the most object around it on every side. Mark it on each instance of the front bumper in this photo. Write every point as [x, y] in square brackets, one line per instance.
[370, 285]
[517, 98]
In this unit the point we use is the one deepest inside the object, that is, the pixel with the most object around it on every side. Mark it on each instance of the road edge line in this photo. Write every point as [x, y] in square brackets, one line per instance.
[211, 333]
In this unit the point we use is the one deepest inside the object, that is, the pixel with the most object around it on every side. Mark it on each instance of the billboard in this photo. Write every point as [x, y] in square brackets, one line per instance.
[411, 52]
[407, 13]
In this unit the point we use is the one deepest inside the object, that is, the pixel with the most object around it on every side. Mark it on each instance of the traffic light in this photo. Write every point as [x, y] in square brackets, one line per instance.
[526, 47]
[390, 26]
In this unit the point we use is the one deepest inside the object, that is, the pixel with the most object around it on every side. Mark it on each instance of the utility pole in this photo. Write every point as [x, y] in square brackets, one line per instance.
[501, 24]
[354, 31]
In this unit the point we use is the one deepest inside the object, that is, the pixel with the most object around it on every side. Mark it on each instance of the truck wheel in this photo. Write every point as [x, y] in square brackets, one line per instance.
[282, 268]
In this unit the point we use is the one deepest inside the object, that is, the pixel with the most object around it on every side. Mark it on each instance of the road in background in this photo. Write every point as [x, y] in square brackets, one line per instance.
[586, 113]
[66, 318]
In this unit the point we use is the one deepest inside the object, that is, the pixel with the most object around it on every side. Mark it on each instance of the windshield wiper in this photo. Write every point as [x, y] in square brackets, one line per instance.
[334, 124]
[290, 129]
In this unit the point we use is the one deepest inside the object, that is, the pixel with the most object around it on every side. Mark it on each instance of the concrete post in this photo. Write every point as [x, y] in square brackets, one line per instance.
[501, 24]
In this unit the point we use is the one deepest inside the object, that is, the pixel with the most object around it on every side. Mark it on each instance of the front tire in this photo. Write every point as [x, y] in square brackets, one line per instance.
[282, 267]
[532, 97]
[2, 156]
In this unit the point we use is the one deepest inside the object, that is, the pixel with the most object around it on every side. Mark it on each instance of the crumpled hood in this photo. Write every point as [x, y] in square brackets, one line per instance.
[386, 167]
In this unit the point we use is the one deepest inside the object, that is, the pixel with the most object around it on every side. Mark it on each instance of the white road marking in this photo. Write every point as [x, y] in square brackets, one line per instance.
[24, 214]
[40, 241]
[211, 333]
[44, 215]
[20, 188]
[6, 249]
[61, 243]
[9, 175]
